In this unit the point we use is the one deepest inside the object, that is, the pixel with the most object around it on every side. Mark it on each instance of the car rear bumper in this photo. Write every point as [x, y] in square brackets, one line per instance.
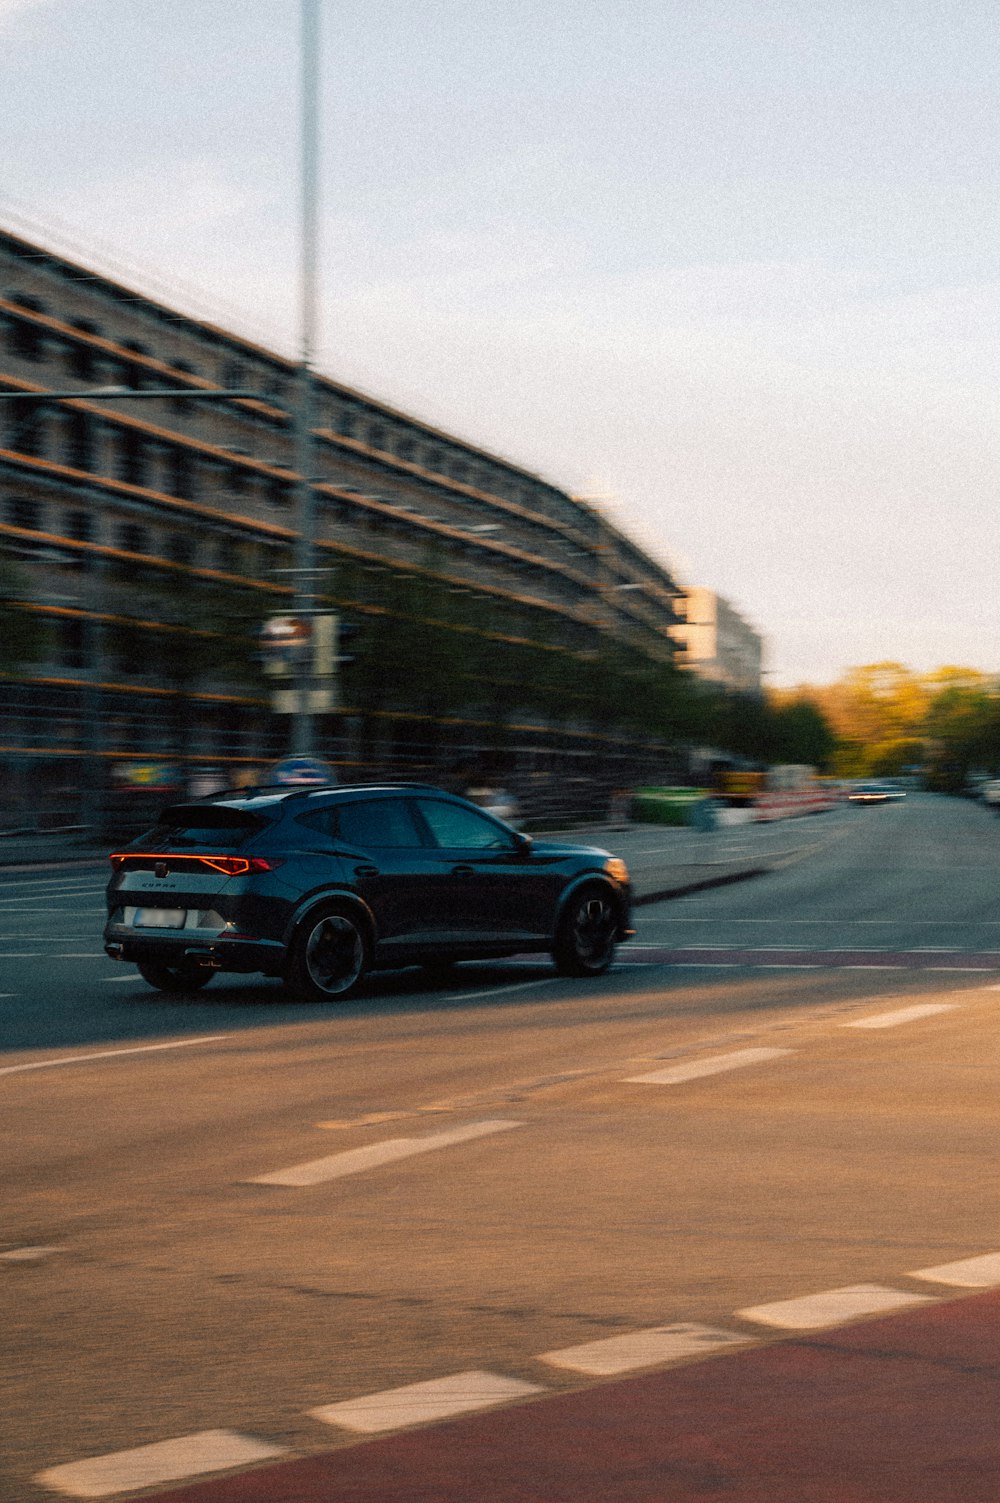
[214, 952]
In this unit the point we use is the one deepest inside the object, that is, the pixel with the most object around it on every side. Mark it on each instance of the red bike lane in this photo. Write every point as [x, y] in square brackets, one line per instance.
[900, 1409]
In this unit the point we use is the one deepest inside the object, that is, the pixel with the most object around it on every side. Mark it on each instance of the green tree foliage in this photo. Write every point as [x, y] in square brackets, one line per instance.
[962, 732]
[804, 735]
[877, 703]
[887, 719]
[431, 648]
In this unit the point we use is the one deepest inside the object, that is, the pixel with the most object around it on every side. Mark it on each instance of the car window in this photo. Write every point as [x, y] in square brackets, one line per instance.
[321, 820]
[379, 822]
[456, 827]
[202, 825]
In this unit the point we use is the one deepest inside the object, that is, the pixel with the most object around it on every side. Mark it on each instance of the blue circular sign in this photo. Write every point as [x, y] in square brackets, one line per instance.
[302, 772]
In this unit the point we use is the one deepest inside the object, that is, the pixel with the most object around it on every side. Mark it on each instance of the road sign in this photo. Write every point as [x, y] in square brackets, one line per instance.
[302, 772]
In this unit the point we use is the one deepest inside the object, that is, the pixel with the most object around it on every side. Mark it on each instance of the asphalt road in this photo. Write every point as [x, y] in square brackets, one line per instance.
[492, 1178]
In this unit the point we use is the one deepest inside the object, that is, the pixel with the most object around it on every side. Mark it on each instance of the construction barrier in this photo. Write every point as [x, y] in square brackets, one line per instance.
[786, 805]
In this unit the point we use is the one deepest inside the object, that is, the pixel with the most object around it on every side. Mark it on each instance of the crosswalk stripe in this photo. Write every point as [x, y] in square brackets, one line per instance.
[417, 1403]
[833, 1307]
[982, 1272]
[620, 1354]
[163, 1461]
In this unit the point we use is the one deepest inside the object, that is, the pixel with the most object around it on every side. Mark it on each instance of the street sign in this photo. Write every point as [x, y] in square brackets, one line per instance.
[300, 652]
[302, 772]
[284, 643]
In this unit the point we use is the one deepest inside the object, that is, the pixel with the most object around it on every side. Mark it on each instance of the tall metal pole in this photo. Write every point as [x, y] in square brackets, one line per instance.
[305, 549]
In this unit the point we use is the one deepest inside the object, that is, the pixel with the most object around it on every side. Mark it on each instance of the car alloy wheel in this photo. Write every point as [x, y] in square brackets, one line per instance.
[329, 957]
[585, 943]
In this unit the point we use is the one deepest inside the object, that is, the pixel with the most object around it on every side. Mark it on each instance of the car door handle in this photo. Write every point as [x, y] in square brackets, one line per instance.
[366, 871]
[463, 871]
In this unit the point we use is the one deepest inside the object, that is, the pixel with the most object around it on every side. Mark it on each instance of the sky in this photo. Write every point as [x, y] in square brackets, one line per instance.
[730, 267]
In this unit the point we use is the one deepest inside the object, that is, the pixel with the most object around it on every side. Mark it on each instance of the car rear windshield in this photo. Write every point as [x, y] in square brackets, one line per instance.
[201, 825]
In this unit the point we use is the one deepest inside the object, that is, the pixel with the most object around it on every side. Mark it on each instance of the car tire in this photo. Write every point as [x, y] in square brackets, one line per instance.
[328, 957]
[182, 977]
[586, 937]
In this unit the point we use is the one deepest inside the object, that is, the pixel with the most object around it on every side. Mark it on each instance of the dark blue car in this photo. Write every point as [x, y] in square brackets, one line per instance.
[321, 885]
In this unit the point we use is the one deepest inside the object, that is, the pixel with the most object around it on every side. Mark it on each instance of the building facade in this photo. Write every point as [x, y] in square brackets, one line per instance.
[716, 643]
[147, 532]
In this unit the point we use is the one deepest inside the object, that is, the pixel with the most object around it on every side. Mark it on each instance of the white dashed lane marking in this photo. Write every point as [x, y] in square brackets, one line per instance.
[85, 1059]
[417, 1403]
[621, 1354]
[812, 1312]
[356, 1160]
[164, 1461]
[738, 1060]
[969, 1273]
[900, 1015]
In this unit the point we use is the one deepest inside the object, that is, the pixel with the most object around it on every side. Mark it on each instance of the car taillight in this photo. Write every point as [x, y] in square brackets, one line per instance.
[238, 866]
[231, 866]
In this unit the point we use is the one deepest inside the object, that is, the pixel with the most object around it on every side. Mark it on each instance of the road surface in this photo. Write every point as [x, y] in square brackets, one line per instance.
[243, 1236]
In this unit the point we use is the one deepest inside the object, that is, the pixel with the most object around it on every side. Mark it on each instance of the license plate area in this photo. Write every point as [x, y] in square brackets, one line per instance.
[159, 918]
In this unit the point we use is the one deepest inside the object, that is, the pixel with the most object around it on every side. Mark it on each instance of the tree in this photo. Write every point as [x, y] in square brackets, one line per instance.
[804, 734]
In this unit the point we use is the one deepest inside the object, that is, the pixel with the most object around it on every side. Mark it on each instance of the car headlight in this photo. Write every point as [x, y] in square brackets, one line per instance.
[615, 867]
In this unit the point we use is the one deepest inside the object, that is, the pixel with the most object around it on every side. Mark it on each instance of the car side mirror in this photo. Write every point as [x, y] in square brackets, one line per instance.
[524, 843]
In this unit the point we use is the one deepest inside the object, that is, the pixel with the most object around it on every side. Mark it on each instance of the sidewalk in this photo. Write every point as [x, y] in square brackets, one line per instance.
[69, 848]
[664, 861]
[667, 861]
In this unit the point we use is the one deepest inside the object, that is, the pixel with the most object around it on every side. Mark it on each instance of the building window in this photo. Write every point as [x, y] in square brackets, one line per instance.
[79, 526]
[279, 492]
[131, 456]
[182, 474]
[179, 404]
[133, 372]
[81, 357]
[180, 549]
[376, 436]
[346, 426]
[80, 440]
[238, 481]
[24, 511]
[276, 389]
[132, 538]
[69, 633]
[234, 375]
[26, 338]
[26, 433]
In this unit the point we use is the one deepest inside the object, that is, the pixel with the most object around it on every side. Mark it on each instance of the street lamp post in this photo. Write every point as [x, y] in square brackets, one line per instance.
[303, 724]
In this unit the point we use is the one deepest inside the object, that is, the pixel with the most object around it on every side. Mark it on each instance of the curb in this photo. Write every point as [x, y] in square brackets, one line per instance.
[679, 891]
[49, 863]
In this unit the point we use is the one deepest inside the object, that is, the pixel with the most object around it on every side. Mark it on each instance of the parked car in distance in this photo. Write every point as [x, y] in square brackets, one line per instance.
[989, 792]
[496, 801]
[321, 885]
[875, 793]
